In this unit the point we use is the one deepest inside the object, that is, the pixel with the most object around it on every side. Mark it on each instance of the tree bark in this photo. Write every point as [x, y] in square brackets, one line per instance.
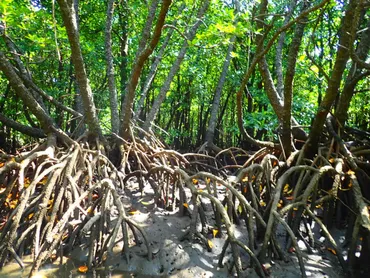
[175, 68]
[286, 135]
[30, 131]
[23, 93]
[123, 15]
[353, 77]
[279, 52]
[69, 15]
[331, 93]
[260, 55]
[153, 69]
[110, 69]
[217, 97]
[127, 105]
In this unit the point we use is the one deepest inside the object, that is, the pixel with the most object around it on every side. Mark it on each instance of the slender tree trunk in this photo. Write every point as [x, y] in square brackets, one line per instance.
[30, 131]
[175, 67]
[153, 68]
[260, 59]
[217, 96]
[23, 93]
[354, 76]
[279, 52]
[123, 15]
[110, 69]
[152, 72]
[341, 59]
[142, 56]
[69, 16]
[286, 135]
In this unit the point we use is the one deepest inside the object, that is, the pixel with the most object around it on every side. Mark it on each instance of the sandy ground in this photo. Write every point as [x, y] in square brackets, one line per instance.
[175, 258]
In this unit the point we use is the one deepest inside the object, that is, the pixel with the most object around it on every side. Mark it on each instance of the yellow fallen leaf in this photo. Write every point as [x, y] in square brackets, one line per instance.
[50, 203]
[185, 205]
[43, 180]
[133, 211]
[26, 182]
[210, 244]
[240, 209]
[332, 250]
[350, 172]
[13, 204]
[215, 232]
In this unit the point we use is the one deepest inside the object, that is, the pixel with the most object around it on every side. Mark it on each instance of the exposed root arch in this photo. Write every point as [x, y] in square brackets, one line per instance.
[60, 196]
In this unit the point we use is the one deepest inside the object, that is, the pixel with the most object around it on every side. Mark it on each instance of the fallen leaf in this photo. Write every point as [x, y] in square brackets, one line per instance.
[43, 180]
[83, 269]
[210, 244]
[331, 250]
[350, 172]
[26, 182]
[133, 211]
[50, 203]
[185, 205]
[240, 209]
[195, 181]
[215, 232]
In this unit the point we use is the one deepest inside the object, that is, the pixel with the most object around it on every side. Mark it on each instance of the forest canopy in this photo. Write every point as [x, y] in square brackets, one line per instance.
[200, 60]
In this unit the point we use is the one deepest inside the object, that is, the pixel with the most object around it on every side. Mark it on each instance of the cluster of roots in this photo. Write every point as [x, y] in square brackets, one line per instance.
[53, 198]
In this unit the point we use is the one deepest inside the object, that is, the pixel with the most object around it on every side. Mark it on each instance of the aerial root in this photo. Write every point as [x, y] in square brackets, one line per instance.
[54, 199]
